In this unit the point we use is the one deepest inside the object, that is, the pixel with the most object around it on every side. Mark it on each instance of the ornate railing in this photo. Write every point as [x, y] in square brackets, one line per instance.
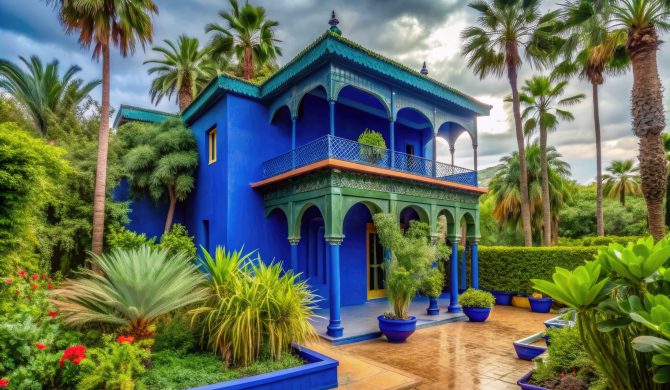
[345, 149]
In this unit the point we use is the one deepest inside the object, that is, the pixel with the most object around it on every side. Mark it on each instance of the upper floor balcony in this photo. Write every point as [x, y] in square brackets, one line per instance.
[334, 148]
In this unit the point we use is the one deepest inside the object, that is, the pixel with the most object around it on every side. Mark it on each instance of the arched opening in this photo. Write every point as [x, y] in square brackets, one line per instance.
[413, 139]
[411, 213]
[312, 116]
[275, 245]
[455, 145]
[362, 256]
[313, 252]
[357, 110]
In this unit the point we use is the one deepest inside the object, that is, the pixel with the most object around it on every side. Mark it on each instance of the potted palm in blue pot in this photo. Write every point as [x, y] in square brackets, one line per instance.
[476, 304]
[410, 266]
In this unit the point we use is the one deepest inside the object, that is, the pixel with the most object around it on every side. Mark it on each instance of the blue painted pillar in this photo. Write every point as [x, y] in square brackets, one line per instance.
[464, 268]
[335, 328]
[294, 253]
[293, 121]
[475, 264]
[454, 307]
[331, 105]
[392, 136]
[434, 155]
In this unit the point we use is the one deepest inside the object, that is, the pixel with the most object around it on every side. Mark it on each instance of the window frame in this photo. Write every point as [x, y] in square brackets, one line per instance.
[211, 146]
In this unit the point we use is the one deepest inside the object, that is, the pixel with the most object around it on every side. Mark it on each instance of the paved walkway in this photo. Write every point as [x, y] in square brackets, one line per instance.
[460, 355]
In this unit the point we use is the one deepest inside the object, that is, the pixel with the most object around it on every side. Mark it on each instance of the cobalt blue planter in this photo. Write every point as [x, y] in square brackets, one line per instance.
[525, 350]
[540, 305]
[320, 372]
[523, 383]
[433, 309]
[477, 314]
[397, 331]
[503, 297]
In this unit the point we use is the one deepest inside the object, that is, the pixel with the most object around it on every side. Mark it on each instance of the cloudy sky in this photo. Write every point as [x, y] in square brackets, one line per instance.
[408, 31]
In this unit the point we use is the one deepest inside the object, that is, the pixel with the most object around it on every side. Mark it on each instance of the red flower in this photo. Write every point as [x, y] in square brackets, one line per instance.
[9, 280]
[35, 277]
[44, 276]
[22, 272]
[49, 286]
[4, 382]
[34, 286]
[125, 339]
[40, 346]
[52, 314]
[74, 354]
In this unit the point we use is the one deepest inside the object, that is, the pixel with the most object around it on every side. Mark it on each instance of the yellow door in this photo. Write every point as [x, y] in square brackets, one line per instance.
[375, 264]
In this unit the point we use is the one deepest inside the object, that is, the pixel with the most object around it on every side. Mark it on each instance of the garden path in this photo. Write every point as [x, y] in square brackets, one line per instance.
[460, 355]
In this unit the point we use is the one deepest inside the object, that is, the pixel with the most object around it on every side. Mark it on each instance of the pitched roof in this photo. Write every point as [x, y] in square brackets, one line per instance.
[130, 113]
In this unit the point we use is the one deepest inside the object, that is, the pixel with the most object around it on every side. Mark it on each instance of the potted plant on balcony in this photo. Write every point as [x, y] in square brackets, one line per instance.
[539, 304]
[411, 263]
[476, 304]
[373, 146]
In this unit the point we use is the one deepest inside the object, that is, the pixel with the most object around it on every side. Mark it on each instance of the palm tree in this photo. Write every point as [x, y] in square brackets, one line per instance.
[666, 147]
[102, 23]
[42, 90]
[248, 35]
[623, 180]
[506, 194]
[184, 69]
[507, 31]
[593, 51]
[542, 99]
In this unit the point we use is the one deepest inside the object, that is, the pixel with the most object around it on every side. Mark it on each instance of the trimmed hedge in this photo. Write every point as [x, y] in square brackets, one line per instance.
[597, 241]
[512, 268]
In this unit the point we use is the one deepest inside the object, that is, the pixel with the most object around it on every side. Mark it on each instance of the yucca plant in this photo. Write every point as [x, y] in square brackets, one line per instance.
[253, 307]
[134, 288]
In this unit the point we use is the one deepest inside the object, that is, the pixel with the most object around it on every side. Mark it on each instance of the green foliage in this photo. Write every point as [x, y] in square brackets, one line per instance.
[114, 366]
[175, 241]
[512, 268]
[411, 264]
[135, 287]
[121, 238]
[178, 241]
[623, 179]
[476, 298]
[174, 334]
[10, 112]
[252, 307]
[373, 146]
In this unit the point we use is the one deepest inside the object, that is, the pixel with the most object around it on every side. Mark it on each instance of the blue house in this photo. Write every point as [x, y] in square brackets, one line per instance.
[281, 170]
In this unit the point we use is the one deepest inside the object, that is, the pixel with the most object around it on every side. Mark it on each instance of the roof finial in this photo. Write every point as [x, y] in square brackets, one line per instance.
[333, 24]
[424, 70]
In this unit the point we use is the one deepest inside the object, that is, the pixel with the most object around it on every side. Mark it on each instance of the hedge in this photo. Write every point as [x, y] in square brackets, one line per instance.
[597, 241]
[512, 268]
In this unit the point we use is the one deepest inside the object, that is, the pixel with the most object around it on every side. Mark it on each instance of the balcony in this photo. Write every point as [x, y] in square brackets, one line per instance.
[331, 147]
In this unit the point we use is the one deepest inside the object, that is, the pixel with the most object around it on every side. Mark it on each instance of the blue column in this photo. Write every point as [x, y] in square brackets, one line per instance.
[331, 105]
[294, 253]
[475, 265]
[335, 328]
[293, 120]
[464, 266]
[454, 307]
[434, 154]
[392, 136]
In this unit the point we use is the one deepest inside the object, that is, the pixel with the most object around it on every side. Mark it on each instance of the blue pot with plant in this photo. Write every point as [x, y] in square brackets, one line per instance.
[410, 270]
[476, 304]
[503, 297]
[539, 304]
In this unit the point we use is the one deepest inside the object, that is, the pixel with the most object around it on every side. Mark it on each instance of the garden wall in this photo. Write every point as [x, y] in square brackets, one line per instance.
[512, 268]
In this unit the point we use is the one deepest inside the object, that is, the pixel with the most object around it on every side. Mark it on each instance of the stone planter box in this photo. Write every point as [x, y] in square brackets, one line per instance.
[319, 372]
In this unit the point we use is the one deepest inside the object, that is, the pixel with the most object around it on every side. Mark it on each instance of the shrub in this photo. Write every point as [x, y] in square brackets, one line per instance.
[115, 366]
[121, 238]
[174, 334]
[512, 268]
[597, 241]
[253, 306]
[135, 288]
[177, 241]
[476, 298]
[373, 146]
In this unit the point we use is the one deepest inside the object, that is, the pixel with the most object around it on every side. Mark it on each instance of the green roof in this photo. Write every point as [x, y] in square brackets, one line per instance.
[333, 44]
[129, 114]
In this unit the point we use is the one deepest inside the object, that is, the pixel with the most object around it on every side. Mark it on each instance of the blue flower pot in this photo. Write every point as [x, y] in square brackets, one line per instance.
[527, 352]
[503, 297]
[540, 305]
[397, 331]
[523, 383]
[477, 314]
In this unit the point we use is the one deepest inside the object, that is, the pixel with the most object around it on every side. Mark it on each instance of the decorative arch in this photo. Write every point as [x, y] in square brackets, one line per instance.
[374, 205]
[339, 87]
[471, 224]
[316, 87]
[450, 214]
[417, 110]
[304, 206]
[422, 211]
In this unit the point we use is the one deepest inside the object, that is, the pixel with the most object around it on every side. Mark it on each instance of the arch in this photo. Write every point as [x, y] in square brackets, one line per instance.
[374, 205]
[471, 224]
[271, 209]
[300, 98]
[279, 109]
[297, 219]
[421, 211]
[452, 130]
[363, 100]
[451, 220]
[413, 114]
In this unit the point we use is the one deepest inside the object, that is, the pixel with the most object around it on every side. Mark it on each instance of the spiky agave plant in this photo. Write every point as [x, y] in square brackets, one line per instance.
[134, 288]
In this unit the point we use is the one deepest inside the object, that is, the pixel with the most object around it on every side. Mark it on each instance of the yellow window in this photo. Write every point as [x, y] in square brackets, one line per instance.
[212, 145]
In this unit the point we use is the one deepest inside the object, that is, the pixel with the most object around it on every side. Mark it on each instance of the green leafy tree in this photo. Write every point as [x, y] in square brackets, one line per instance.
[504, 188]
[592, 51]
[101, 24]
[622, 180]
[42, 90]
[248, 35]
[184, 70]
[542, 99]
[161, 161]
[506, 32]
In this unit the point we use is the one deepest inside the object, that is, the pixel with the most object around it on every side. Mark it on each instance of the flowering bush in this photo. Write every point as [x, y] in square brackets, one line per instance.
[73, 354]
[115, 365]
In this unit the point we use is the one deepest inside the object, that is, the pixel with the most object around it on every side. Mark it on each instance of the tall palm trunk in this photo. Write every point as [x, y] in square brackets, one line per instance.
[185, 96]
[648, 123]
[600, 219]
[248, 64]
[523, 174]
[173, 204]
[546, 201]
[99, 192]
[622, 195]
